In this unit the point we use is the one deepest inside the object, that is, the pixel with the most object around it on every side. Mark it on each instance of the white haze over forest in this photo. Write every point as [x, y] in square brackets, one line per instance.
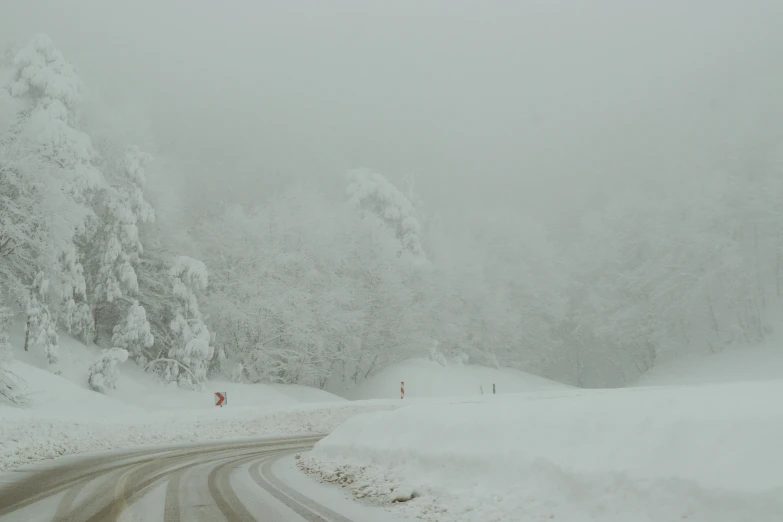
[306, 192]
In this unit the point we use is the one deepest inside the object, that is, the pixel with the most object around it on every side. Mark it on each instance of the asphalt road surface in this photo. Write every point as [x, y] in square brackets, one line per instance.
[209, 482]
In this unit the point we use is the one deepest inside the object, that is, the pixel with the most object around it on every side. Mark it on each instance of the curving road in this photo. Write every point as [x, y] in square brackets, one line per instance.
[209, 482]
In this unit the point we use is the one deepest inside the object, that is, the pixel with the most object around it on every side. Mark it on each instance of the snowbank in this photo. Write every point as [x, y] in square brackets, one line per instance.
[706, 454]
[427, 379]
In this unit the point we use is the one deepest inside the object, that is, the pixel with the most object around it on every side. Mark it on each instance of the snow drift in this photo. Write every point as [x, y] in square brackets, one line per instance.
[656, 454]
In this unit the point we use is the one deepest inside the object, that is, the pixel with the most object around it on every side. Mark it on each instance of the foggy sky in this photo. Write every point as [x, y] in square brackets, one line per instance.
[540, 105]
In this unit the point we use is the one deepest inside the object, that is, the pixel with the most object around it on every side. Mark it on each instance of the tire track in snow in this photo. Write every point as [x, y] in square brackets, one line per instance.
[124, 480]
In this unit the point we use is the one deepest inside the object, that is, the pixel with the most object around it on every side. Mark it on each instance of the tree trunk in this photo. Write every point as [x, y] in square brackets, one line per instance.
[95, 327]
[27, 334]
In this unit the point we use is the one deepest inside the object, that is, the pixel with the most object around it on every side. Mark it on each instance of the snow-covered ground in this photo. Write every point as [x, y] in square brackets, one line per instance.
[747, 363]
[62, 389]
[451, 451]
[427, 379]
[658, 453]
[66, 417]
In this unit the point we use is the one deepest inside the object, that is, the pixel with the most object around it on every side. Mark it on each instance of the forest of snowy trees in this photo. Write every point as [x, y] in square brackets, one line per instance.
[309, 288]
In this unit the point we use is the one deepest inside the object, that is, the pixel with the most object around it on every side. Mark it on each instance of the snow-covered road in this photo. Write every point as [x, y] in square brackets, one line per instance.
[210, 482]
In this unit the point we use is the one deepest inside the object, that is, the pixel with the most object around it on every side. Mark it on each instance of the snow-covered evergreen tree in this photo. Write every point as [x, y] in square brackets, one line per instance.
[103, 373]
[41, 325]
[53, 163]
[190, 351]
[133, 333]
[155, 295]
[76, 314]
[112, 246]
[47, 126]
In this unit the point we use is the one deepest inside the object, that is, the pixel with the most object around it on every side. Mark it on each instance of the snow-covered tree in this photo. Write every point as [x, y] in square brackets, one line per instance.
[41, 325]
[155, 296]
[306, 291]
[373, 194]
[24, 235]
[10, 384]
[190, 351]
[237, 373]
[103, 373]
[49, 169]
[47, 126]
[44, 141]
[111, 246]
[76, 314]
[435, 355]
[133, 333]
[273, 301]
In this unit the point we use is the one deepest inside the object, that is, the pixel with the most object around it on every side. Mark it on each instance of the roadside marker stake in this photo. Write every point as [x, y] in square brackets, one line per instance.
[402, 389]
